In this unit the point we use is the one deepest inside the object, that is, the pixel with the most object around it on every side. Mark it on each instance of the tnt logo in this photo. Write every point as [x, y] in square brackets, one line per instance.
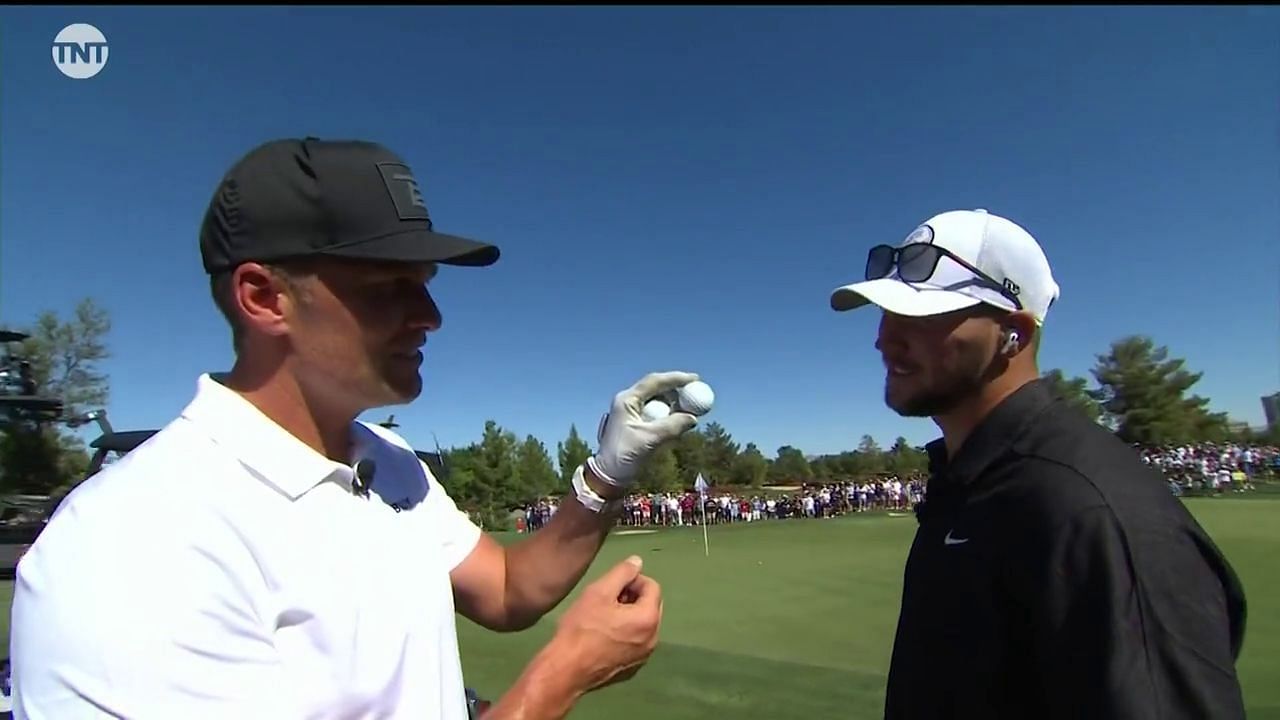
[80, 51]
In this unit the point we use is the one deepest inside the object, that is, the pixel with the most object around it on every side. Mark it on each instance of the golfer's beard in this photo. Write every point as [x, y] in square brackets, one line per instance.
[955, 387]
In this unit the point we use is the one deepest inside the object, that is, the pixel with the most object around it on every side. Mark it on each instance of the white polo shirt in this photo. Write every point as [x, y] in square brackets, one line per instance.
[224, 569]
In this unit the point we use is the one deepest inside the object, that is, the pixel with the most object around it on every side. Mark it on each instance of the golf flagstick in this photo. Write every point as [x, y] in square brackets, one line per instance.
[444, 471]
[701, 486]
[706, 549]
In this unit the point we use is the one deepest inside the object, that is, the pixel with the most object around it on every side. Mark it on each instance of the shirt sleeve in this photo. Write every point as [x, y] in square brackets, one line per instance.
[1102, 650]
[442, 517]
[458, 534]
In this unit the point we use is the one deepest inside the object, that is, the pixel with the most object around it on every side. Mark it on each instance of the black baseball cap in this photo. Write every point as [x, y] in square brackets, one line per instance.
[306, 197]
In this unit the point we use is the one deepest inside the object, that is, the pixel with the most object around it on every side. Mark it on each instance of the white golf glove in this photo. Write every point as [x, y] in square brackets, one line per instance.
[627, 439]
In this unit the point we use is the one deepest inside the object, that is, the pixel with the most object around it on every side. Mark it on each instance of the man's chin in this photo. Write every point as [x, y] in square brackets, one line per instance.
[910, 410]
[401, 390]
[917, 405]
[407, 394]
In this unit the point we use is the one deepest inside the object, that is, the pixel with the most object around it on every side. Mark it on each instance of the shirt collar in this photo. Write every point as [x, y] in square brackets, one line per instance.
[991, 438]
[265, 448]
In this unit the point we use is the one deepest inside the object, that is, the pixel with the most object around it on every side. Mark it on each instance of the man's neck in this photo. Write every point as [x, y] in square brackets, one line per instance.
[279, 396]
[960, 423]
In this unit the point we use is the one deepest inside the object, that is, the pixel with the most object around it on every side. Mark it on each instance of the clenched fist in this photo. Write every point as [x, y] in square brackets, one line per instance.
[612, 629]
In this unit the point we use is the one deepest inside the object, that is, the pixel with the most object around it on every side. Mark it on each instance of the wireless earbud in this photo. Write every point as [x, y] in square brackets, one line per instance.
[1010, 342]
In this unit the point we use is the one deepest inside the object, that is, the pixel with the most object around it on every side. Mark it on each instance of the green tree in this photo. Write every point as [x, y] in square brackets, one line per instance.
[464, 484]
[39, 456]
[659, 473]
[64, 357]
[870, 458]
[1262, 436]
[790, 467]
[571, 453]
[903, 459]
[537, 475]
[496, 469]
[750, 467]
[1075, 391]
[845, 466]
[720, 451]
[460, 463]
[34, 460]
[824, 468]
[690, 451]
[1143, 393]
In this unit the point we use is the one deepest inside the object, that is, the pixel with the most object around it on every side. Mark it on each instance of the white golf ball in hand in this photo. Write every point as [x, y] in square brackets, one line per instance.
[655, 410]
[696, 398]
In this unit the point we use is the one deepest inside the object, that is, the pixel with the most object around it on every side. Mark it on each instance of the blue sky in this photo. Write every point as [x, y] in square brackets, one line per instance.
[672, 188]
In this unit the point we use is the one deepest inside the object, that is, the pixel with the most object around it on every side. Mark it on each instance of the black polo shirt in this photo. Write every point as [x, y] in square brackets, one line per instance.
[1053, 575]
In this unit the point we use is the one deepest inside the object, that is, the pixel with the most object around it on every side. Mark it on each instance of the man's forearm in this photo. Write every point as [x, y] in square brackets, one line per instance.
[544, 691]
[544, 568]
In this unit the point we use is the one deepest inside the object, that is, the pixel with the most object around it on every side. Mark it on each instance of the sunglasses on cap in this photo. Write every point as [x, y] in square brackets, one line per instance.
[916, 263]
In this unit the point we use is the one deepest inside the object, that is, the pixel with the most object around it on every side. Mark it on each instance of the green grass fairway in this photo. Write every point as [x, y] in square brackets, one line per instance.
[796, 618]
[760, 629]
[1248, 532]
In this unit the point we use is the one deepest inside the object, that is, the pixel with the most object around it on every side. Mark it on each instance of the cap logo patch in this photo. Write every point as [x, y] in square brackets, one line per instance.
[404, 191]
[922, 234]
[1012, 286]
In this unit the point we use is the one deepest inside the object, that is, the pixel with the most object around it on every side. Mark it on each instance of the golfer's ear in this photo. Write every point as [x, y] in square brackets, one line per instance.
[1021, 323]
[260, 298]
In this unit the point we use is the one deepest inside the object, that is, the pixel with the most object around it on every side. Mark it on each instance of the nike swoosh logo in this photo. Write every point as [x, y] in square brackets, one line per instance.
[954, 541]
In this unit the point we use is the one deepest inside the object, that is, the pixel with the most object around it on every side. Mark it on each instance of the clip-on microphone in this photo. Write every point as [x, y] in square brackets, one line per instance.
[363, 479]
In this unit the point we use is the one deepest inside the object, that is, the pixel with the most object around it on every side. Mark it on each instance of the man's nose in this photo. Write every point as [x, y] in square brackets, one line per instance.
[889, 332]
[425, 314]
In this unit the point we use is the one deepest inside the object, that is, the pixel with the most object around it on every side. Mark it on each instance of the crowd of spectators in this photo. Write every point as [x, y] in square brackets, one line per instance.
[1205, 468]
[1213, 468]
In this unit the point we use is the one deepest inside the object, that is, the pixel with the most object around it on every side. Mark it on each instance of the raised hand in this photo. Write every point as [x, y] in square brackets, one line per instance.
[627, 439]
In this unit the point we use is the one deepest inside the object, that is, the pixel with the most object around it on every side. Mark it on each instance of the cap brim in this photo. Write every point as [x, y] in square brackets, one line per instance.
[422, 246]
[900, 298]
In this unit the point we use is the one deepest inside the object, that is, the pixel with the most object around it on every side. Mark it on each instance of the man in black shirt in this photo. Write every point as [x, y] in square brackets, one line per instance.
[1052, 575]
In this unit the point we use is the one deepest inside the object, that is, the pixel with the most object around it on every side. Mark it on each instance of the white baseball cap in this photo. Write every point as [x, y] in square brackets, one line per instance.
[1015, 268]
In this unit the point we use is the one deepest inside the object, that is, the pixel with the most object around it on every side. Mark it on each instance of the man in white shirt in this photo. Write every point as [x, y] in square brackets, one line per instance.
[266, 555]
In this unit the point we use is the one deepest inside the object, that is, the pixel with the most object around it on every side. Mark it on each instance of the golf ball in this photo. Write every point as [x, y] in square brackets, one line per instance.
[655, 410]
[696, 398]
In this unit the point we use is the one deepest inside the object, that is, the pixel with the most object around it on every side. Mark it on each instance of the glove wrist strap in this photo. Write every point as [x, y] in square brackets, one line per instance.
[588, 498]
[604, 477]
